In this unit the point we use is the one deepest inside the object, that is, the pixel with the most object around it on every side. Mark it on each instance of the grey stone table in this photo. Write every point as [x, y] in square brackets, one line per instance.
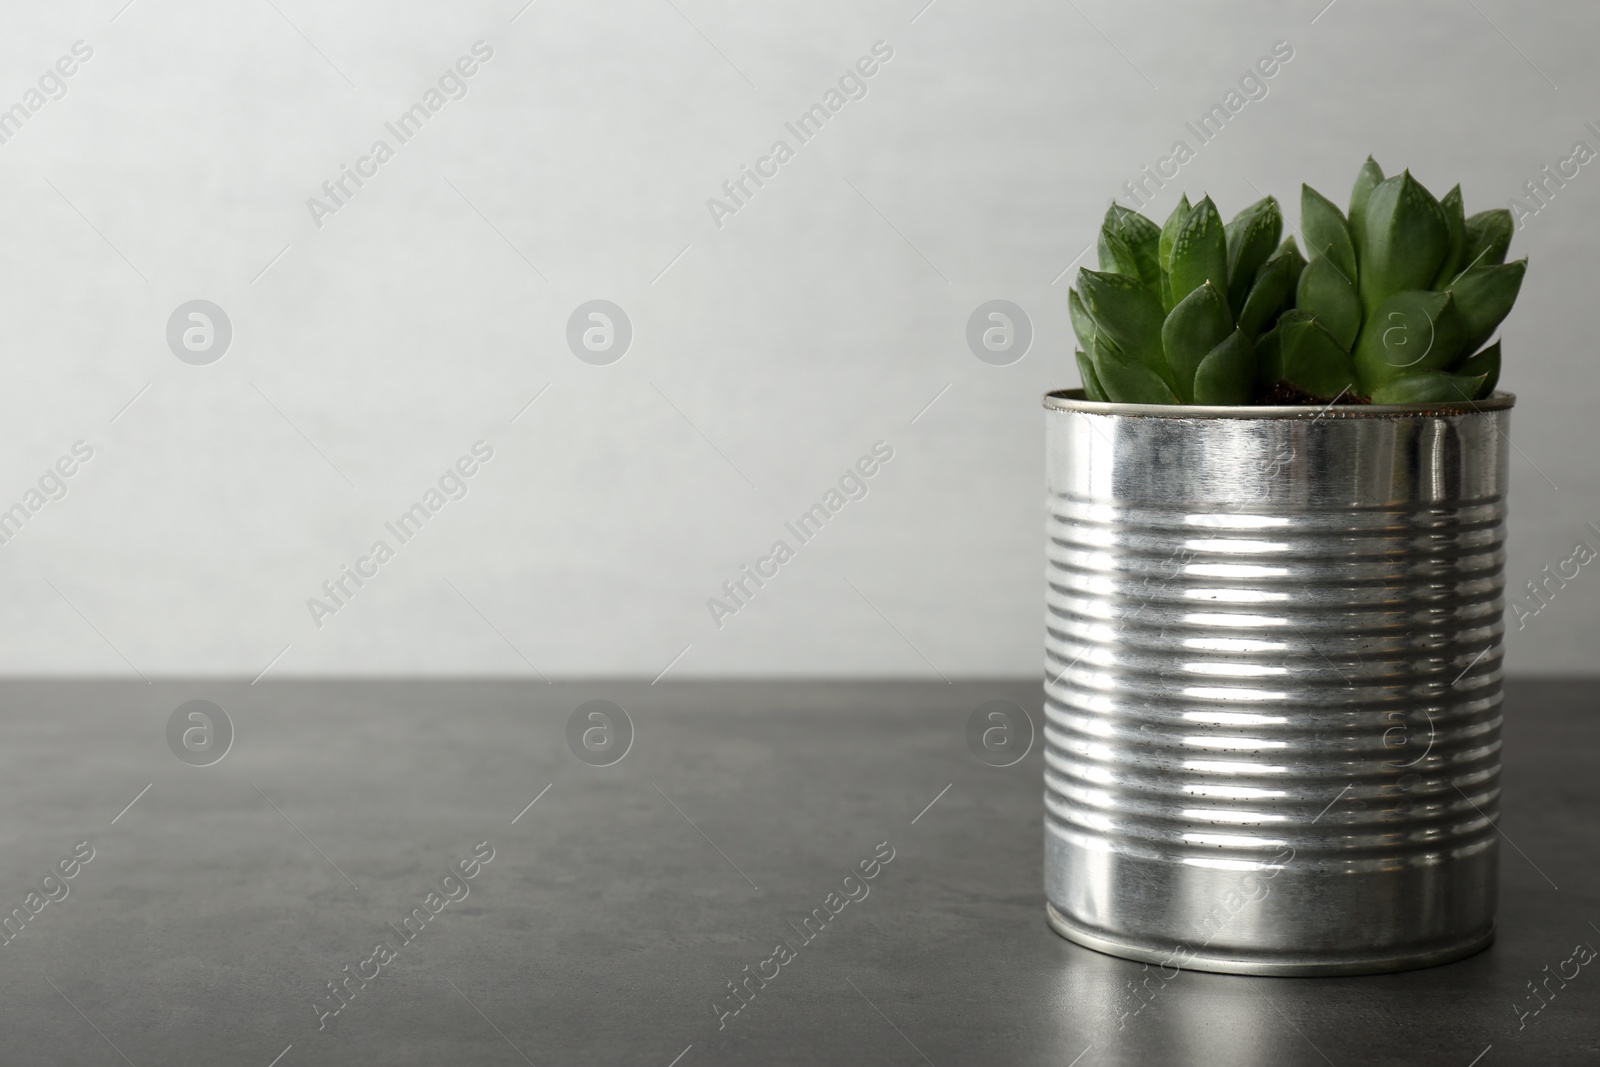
[614, 912]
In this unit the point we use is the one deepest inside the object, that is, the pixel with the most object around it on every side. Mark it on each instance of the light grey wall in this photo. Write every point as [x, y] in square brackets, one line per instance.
[769, 353]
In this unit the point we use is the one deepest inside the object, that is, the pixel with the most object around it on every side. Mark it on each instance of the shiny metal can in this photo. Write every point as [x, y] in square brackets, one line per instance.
[1272, 682]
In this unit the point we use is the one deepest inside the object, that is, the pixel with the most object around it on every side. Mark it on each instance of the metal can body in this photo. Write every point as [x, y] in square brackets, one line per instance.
[1272, 682]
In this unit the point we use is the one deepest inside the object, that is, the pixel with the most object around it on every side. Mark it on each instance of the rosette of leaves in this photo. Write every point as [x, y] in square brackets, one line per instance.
[1174, 312]
[1398, 299]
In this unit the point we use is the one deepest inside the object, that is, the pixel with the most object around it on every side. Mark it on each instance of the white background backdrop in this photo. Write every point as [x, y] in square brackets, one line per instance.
[821, 318]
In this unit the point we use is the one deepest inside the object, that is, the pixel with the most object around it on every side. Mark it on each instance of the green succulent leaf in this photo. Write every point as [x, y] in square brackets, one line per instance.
[1292, 250]
[1414, 330]
[1311, 359]
[1199, 323]
[1169, 233]
[1137, 238]
[1091, 381]
[1126, 380]
[1269, 357]
[1488, 236]
[1326, 232]
[1236, 226]
[1250, 239]
[1227, 374]
[1328, 295]
[1484, 296]
[1128, 313]
[1453, 217]
[1274, 283]
[1199, 252]
[1134, 227]
[1485, 365]
[1428, 387]
[1367, 180]
[1404, 242]
[1082, 321]
[1115, 256]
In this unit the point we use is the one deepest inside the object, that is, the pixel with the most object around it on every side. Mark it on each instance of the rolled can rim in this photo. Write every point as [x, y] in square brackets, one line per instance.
[1073, 400]
[1309, 963]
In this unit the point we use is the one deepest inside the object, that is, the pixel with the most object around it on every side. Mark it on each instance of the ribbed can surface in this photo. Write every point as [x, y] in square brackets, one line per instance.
[1272, 682]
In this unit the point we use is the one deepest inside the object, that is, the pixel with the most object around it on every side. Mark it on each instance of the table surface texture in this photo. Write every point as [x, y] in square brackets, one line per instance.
[615, 911]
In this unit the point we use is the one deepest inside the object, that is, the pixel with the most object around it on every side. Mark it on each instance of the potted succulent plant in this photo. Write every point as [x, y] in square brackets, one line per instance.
[1275, 592]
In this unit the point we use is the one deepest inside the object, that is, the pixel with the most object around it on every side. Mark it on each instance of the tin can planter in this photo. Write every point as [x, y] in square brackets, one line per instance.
[1272, 682]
